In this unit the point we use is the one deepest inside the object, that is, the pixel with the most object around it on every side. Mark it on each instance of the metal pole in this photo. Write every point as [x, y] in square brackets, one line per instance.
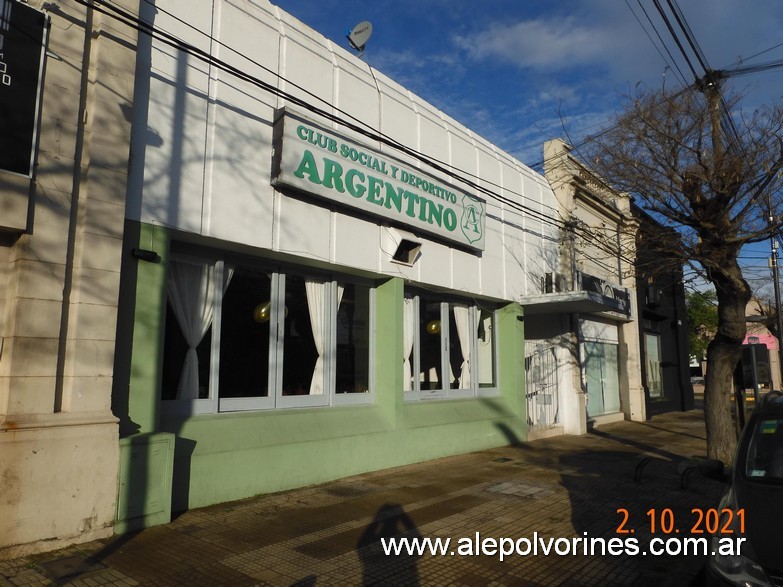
[755, 374]
[776, 283]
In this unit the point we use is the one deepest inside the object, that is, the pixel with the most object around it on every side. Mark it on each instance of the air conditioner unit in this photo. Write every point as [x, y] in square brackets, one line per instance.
[653, 295]
[555, 283]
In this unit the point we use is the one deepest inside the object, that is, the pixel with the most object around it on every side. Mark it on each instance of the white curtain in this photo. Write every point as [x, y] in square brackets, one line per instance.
[462, 321]
[191, 291]
[408, 318]
[316, 293]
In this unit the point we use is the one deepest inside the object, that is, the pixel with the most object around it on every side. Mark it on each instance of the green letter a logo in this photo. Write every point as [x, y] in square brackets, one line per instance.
[472, 222]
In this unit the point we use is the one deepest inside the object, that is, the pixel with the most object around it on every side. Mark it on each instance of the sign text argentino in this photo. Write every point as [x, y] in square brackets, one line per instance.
[322, 162]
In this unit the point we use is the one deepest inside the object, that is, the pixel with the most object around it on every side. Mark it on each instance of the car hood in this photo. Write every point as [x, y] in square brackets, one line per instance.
[763, 505]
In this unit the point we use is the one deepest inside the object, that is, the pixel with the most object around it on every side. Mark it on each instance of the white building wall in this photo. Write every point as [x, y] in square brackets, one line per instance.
[218, 132]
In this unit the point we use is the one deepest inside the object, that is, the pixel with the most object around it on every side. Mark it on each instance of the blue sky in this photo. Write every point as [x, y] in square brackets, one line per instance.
[508, 69]
[514, 70]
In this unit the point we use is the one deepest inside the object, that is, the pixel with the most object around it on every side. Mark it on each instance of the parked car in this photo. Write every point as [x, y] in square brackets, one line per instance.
[756, 490]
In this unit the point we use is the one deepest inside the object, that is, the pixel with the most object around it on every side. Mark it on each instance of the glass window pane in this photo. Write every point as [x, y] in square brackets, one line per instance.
[765, 454]
[300, 353]
[652, 347]
[430, 364]
[486, 349]
[244, 335]
[353, 339]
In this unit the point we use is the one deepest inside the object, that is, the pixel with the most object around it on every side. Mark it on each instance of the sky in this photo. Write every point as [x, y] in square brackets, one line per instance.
[520, 72]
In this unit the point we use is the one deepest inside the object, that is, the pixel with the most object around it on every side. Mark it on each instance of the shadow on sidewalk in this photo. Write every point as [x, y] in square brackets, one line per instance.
[618, 517]
[390, 521]
[648, 448]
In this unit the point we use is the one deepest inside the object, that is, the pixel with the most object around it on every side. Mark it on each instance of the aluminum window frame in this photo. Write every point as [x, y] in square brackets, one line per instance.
[445, 392]
[214, 404]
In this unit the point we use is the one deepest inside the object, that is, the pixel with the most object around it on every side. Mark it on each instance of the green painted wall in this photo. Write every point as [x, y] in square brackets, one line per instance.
[222, 457]
[147, 306]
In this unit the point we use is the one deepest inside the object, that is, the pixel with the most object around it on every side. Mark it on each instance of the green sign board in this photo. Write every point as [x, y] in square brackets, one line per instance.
[319, 161]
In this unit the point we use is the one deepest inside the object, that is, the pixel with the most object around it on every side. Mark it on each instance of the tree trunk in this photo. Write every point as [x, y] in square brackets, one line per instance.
[723, 354]
[722, 359]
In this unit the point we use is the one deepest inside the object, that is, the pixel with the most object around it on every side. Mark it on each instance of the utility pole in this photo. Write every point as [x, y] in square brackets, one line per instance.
[773, 262]
[710, 87]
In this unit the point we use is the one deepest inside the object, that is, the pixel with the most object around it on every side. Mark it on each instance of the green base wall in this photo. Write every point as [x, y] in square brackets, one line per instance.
[229, 456]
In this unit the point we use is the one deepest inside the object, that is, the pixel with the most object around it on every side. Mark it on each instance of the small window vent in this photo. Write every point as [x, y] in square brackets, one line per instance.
[407, 252]
[403, 247]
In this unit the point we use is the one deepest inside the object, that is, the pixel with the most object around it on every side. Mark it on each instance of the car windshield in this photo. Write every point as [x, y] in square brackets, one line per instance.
[765, 453]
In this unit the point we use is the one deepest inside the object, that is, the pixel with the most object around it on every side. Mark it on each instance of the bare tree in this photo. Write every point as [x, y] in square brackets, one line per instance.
[766, 315]
[698, 163]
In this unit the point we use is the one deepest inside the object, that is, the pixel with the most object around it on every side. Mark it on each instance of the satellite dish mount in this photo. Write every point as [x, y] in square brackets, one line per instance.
[359, 36]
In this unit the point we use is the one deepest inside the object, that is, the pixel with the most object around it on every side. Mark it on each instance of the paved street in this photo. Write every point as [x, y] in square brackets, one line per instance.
[329, 535]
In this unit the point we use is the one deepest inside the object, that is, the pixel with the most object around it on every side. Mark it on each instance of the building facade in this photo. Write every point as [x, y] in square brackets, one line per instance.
[321, 272]
[246, 261]
[61, 233]
[761, 325]
[582, 337]
[663, 334]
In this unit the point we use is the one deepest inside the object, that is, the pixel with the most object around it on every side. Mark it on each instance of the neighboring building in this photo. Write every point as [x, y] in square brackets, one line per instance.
[582, 338]
[61, 232]
[663, 333]
[759, 315]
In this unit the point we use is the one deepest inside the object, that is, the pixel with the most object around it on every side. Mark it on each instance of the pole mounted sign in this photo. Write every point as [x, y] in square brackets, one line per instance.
[320, 161]
[22, 40]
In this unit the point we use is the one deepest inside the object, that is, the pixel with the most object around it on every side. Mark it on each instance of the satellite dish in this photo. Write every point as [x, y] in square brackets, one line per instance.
[359, 36]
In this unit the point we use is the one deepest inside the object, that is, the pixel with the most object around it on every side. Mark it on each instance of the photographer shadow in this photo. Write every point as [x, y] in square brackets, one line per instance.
[378, 568]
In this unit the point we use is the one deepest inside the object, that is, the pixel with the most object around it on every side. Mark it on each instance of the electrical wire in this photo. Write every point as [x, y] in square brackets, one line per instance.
[748, 69]
[762, 52]
[364, 129]
[155, 32]
[676, 38]
[686, 29]
[673, 63]
[309, 93]
[532, 212]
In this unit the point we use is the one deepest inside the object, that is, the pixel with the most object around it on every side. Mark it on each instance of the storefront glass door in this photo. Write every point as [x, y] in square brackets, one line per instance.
[603, 389]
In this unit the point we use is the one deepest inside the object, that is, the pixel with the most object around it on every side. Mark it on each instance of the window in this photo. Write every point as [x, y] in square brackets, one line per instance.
[652, 348]
[243, 337]
[353, 340]
[765, 453]
[448, 347]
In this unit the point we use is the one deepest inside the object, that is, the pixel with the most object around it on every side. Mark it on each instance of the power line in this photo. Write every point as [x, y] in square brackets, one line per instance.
[672, 63]
[360, 127]
[322, 100]
[676, 38]
[686, 29]
[748, 69]
[762, 52]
